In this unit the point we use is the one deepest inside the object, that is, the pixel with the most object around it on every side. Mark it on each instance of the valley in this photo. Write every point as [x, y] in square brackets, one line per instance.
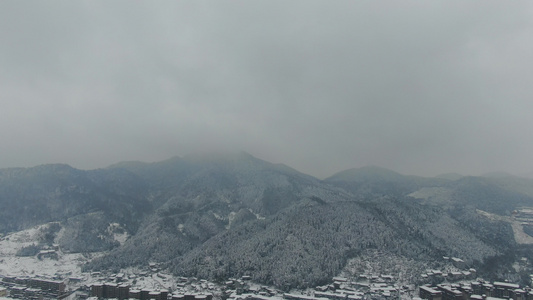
[372, 275]
[232, 225]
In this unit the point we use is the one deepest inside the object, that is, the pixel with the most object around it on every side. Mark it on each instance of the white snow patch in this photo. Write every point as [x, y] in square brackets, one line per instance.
[231, 217]
[11, 243]
[218, 217]
[433, 194]
[519, 235]
[258, 216]
[19, 266]
[119, 233]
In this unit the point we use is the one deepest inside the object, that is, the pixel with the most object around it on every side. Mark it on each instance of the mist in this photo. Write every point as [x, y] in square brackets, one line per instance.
[418, 87]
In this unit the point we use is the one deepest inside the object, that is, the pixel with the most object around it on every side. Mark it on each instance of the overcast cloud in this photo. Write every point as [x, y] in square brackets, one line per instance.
[420, 87]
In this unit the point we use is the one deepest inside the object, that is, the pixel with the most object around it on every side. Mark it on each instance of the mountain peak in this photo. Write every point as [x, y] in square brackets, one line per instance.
[497, 174]
[214, 156]
[450, 176]
[366, 173]
[40, 170]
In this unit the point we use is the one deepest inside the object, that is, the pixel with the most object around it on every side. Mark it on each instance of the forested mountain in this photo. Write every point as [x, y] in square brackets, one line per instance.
[84, 201]
[223, 215]
[371, 181]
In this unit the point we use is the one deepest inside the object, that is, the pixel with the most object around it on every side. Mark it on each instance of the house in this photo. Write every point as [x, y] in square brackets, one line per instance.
[51, 254]
[178, 297]
[504, 289]
[458, 263]
[450, 293]
[136, 294]
[426, 292]
[123, 291]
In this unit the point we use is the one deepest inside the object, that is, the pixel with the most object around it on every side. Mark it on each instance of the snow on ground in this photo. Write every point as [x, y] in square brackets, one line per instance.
[10, 264]
[519, 235]
[67, 263]
[10, 244]
[491, 216]
[433, 194]
[119, 234]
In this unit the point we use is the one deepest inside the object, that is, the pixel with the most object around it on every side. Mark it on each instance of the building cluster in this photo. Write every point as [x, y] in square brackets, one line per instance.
[455, 271]
[476, 290]
[148, 284]
[152, 284]
[33, 288]
[241, 288]
[364, 287]
[451, 276]
[125, 291]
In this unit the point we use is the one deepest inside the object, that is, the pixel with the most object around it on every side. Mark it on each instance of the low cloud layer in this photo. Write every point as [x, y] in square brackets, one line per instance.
[421, 87]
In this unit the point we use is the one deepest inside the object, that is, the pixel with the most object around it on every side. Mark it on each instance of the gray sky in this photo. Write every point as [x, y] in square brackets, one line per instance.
[420, 87]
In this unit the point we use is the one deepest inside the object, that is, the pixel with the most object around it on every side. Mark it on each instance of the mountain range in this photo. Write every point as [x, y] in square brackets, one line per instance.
[225, 215]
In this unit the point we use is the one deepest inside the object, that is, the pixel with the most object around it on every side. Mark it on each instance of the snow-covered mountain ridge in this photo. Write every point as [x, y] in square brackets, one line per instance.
[218, 216]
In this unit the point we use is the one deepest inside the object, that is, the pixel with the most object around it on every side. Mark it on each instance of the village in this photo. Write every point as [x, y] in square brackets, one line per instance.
[456, 281]
[52, 274]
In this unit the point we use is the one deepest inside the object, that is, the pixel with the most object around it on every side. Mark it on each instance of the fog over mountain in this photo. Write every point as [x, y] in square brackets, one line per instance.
[420, 87]
[217, 216]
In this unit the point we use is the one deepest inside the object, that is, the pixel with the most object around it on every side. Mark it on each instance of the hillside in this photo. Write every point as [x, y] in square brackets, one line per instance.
[85, 202]
[373, 181]
[218, 216]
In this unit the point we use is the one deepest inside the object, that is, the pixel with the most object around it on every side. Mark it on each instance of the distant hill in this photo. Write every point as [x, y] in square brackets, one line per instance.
[46, 193]
[489, 195]
[450, 176]
[527, 175]
[368, 173]
[498, 174]
[372, 181]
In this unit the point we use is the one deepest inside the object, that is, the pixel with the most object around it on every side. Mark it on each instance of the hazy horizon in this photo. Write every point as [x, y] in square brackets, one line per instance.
[496, 173]
[421, 88]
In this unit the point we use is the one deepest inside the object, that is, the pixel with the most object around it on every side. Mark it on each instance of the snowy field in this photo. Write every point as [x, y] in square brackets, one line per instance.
[10, 264]
[69, 265]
